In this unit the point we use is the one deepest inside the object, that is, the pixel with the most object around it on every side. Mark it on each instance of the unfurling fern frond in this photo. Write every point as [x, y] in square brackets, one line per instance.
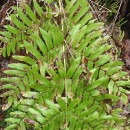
[67, 76]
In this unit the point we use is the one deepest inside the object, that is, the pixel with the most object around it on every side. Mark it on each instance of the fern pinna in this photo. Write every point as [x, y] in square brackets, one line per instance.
[67, 80]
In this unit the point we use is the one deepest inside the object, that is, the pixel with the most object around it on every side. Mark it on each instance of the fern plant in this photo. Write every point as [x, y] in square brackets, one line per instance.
[67, 80]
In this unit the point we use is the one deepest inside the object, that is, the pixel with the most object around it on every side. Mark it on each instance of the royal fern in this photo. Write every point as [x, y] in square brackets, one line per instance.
[67, 80]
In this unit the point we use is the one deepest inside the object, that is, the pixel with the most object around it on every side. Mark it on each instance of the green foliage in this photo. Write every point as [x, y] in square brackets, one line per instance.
[67, 79]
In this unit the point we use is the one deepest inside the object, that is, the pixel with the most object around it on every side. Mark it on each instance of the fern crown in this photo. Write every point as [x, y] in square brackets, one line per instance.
[67, 73]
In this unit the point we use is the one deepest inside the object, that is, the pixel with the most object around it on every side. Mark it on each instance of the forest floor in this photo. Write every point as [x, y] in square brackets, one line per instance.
[124, 46]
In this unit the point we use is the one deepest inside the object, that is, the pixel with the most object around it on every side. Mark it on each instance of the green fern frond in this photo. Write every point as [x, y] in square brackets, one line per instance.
[67, 75]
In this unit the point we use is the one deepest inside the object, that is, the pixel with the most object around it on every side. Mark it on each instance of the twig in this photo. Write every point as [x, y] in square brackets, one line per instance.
[112, 25]
[94, 10]
[4, 10]
[100, 5]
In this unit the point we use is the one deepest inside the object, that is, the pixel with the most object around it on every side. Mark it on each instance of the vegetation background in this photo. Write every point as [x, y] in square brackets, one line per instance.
[64, 65]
